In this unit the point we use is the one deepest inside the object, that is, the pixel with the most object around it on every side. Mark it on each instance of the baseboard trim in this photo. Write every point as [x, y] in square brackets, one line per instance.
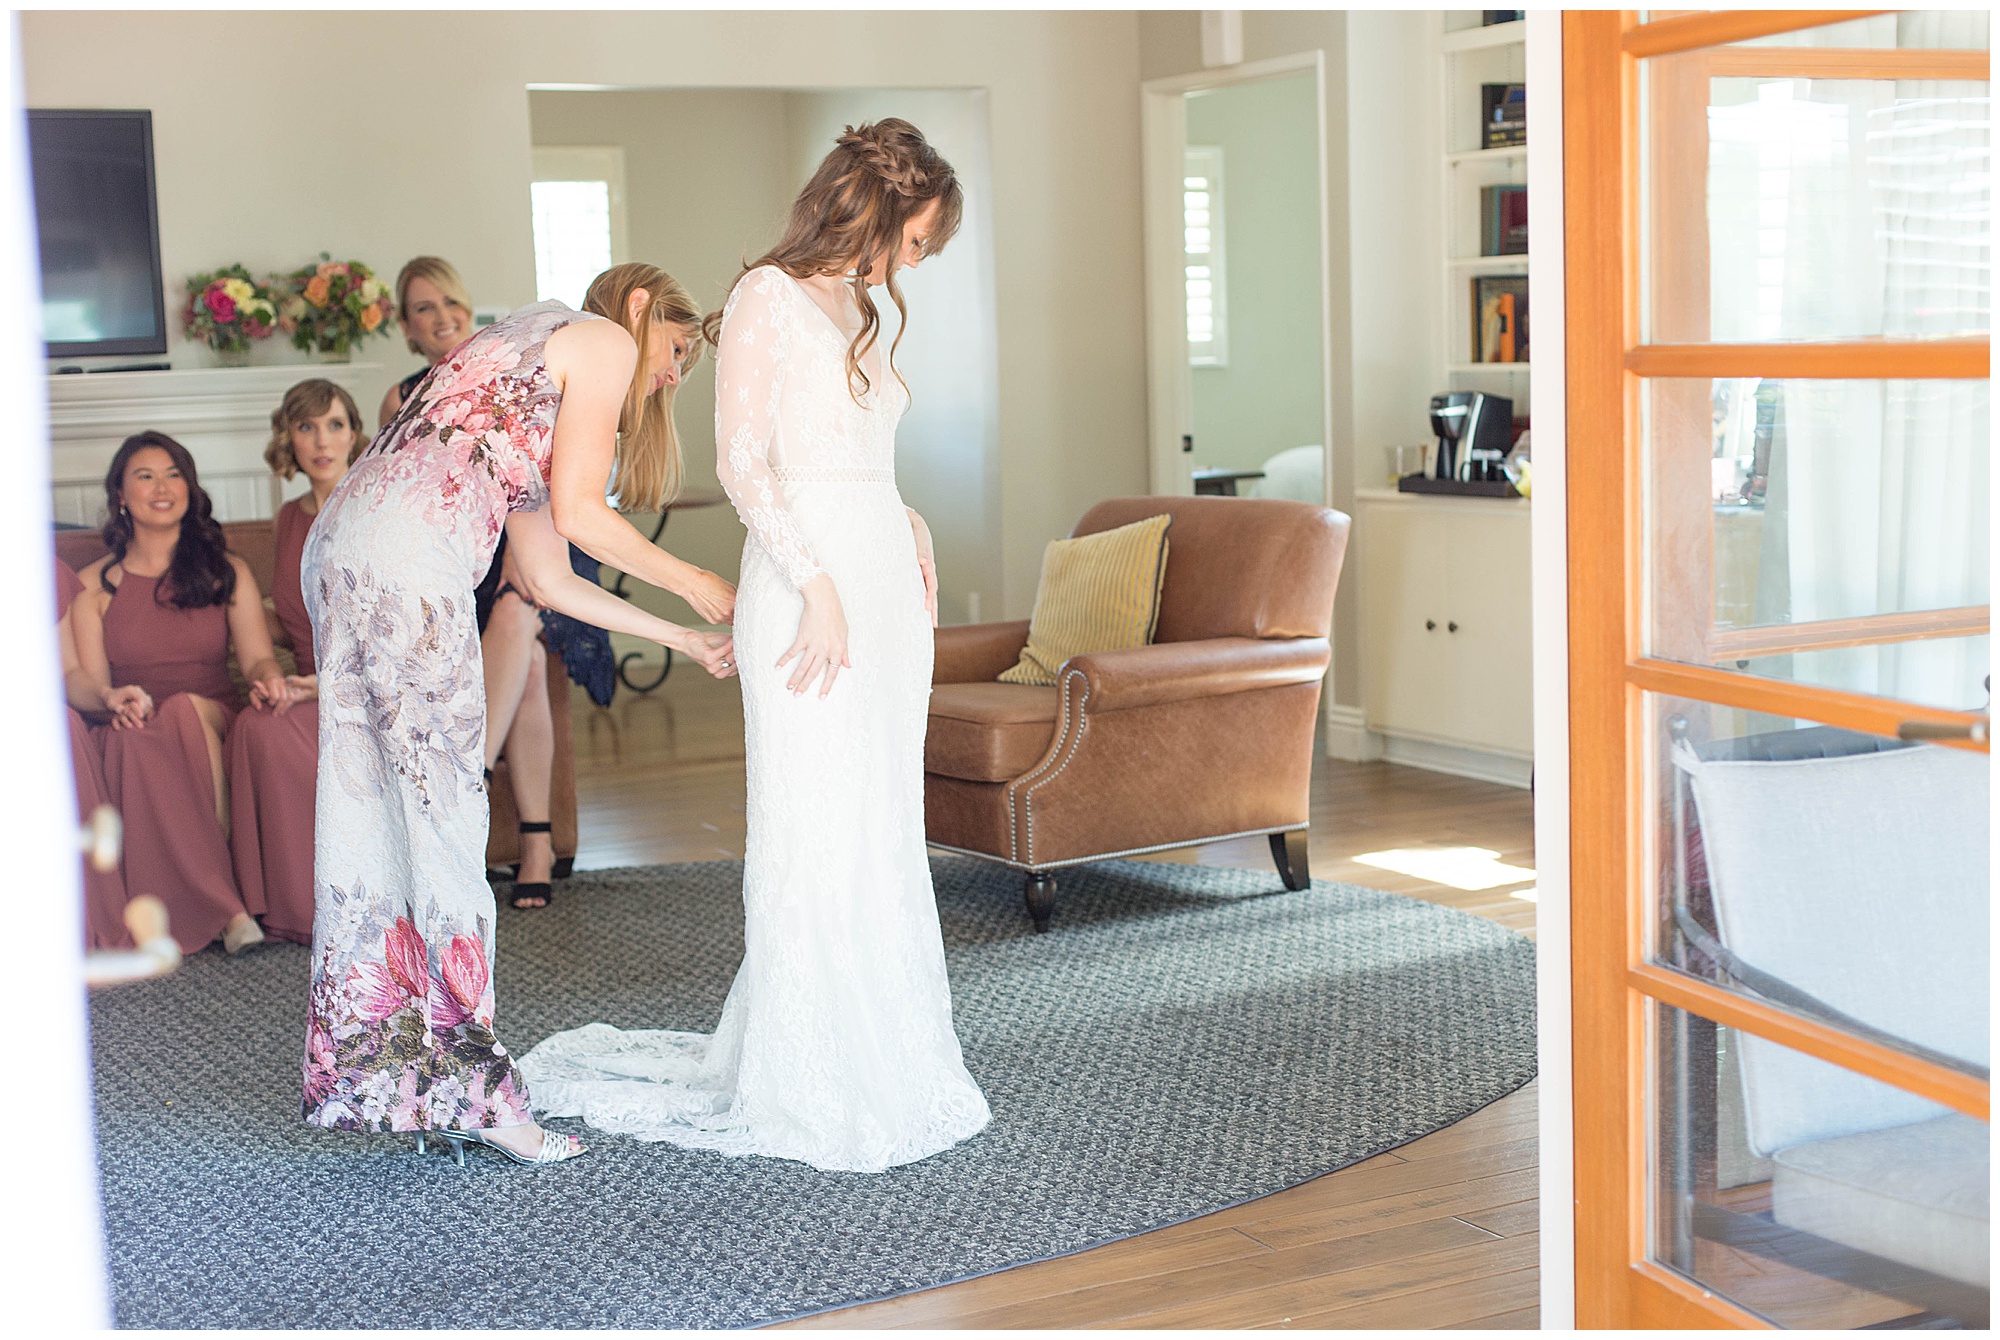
[1348, 736]
[1485, 765]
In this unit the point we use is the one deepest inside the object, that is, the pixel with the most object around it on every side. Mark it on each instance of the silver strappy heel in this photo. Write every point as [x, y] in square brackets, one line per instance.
[556, 1147]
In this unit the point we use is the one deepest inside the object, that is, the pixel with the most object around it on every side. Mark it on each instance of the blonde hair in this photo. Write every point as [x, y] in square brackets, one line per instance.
[439, 272]
[648, 473]
[878, 177]
[308, 400]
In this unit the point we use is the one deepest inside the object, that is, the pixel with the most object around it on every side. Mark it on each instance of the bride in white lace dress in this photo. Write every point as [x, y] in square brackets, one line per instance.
[836, 1044]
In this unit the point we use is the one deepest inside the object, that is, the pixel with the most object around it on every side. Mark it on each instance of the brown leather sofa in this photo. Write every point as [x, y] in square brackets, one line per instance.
[255, 543]
[1204, 735]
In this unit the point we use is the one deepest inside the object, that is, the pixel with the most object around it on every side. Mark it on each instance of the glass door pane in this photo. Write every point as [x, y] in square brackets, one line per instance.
[1833, 533]
[1840, 876]
[1808, 187]
[1813, 1196]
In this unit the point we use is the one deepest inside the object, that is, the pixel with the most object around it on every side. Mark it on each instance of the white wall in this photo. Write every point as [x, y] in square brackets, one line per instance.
[1395, 230]
[1269, 396]
[425, 147]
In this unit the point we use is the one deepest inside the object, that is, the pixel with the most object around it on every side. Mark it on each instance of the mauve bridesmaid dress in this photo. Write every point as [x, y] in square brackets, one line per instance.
[274, 769]
[103, 891]
[158, 774]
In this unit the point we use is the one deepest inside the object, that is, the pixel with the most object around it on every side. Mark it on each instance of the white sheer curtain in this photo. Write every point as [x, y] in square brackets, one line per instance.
[1846, 209]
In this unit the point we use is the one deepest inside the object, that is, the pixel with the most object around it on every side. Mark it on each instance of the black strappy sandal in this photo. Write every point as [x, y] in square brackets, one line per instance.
[544, 890]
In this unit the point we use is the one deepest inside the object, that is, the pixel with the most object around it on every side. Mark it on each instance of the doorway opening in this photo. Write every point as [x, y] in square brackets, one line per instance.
[1238, 307]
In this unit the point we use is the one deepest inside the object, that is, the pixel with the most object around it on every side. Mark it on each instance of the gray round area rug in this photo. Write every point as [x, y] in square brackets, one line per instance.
[1184, 1039]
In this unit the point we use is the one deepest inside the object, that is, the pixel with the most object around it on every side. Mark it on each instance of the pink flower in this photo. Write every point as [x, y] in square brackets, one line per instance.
[322, 1072]
[403, 950]
[470, 369]
[462, 971]
[220, 305]
[400, 979]
[464, 413]
[404, 1115]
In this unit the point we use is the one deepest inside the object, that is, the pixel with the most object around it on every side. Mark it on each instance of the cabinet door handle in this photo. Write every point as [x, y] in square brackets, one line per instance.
[1451, 627]
[1430, 625]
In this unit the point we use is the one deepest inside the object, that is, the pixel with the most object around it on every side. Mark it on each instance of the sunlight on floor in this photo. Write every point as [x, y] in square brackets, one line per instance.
[1525, 895]
[1469, 868]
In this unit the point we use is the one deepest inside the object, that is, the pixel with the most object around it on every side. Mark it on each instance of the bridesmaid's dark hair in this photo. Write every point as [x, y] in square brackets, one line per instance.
[201, 573]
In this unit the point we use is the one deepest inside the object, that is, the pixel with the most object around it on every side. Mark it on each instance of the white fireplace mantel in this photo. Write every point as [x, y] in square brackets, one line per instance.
[221, 415]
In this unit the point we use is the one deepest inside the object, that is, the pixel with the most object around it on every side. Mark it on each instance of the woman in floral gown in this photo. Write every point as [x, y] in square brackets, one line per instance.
[521, 426]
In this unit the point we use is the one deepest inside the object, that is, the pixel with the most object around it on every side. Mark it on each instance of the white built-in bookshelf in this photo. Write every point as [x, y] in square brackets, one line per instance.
[1472, 55]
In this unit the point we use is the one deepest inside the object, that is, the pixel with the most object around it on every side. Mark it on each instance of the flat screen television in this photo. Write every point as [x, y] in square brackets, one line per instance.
[98, 222]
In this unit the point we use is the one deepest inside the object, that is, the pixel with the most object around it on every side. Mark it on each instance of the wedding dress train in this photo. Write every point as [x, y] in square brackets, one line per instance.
[836, 1044]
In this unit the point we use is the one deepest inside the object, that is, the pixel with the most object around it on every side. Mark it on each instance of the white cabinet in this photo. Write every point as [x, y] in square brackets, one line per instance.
[1447, 665]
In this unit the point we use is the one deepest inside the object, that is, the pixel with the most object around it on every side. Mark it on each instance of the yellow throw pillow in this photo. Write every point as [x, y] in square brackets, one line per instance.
[1098, 593]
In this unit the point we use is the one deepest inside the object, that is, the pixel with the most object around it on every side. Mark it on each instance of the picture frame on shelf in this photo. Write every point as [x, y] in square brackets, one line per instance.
[1499, 319]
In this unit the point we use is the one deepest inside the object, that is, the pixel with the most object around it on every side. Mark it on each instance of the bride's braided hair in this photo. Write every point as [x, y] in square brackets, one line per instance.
[879, 176]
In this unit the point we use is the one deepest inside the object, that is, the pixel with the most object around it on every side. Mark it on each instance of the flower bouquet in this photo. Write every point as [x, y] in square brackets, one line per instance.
[227, 309]
[330, 307]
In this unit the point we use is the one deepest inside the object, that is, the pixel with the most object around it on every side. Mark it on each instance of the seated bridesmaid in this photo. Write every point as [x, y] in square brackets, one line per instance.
[154, 626]
[274, 756]
[103, 890]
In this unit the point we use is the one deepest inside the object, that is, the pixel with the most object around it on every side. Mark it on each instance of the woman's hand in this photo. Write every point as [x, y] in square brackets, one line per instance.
[926, 562]
[510, 576]
[130, 706]
[272, 695]
[303, 688]
[713, 652]
[712, 598]
[821, 646]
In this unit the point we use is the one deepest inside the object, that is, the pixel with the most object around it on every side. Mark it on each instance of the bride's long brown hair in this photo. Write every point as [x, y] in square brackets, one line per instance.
[880, 175]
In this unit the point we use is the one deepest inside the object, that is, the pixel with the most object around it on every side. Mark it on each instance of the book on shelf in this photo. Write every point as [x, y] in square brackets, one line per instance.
[1503, 112]
[1500, 319]
[1503, 220]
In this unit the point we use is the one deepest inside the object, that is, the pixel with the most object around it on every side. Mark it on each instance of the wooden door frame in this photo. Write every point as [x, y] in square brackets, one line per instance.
[1169, 383]
[1613, 987]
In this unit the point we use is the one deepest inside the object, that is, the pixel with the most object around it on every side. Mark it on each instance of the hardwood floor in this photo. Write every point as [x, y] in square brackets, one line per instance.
[1441, 1233]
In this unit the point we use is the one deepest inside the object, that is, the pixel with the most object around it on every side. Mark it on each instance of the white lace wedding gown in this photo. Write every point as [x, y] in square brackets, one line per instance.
[836, 1044]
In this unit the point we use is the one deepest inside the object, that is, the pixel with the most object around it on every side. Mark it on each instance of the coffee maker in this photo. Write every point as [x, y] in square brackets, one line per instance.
[1475, 432]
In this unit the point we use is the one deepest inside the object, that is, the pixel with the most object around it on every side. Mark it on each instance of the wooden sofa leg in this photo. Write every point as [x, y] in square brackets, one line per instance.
[1041, 890]
[1289, 851]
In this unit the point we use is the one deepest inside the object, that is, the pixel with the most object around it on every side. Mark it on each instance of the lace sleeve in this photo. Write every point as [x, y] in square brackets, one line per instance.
[749, 377]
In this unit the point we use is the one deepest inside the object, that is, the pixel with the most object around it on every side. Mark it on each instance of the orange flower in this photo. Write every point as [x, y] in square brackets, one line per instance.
[371, 317]
[316, 290]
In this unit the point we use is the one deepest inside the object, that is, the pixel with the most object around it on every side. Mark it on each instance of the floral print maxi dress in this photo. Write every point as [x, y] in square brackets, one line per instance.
[400, 1035]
